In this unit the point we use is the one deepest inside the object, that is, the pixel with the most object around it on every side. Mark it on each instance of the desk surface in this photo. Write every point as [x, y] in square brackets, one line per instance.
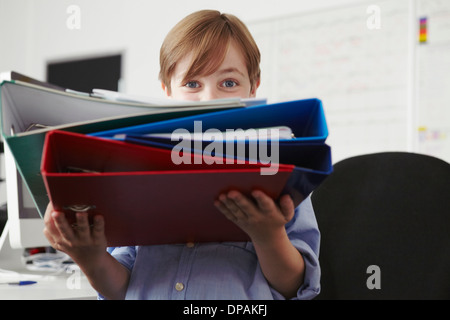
[70, 285]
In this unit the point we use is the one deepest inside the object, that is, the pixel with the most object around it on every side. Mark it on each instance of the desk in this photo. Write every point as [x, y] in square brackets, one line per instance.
[49, 287]
[65, 284]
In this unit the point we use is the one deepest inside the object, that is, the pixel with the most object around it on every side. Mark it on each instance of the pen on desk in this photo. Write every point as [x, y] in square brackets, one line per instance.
[19, 283]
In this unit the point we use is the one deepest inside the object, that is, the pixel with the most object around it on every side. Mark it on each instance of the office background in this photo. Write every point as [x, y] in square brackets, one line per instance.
[381, 67]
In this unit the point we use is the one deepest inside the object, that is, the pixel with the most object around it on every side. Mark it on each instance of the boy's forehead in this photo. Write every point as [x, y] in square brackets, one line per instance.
[182, 66]
[232, 62]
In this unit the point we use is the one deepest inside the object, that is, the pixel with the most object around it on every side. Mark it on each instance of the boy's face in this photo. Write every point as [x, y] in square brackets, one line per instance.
[230, 80]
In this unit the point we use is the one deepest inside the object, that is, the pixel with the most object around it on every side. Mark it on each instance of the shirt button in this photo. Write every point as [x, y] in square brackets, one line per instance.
[190, 244]
[179, 286]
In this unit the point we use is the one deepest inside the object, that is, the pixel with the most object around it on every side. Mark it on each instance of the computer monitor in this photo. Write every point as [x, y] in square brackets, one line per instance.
[25, 225]
[24, 222]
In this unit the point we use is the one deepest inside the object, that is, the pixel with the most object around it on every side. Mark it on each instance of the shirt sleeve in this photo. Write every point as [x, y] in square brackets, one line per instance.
[304, 234]
[125, 255]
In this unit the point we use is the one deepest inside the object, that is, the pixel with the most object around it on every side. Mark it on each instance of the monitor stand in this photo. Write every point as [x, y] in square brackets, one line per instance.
[10, 258]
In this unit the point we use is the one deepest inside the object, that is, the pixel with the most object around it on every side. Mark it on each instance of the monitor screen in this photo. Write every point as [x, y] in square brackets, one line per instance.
[86, 74]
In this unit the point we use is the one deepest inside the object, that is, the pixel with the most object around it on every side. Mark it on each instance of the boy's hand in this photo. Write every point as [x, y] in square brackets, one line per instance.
[261, 219]
[86, 245]
[83, 243]
[264, 221]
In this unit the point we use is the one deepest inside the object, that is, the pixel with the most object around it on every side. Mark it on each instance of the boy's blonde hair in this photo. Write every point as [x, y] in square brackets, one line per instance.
[206, 35]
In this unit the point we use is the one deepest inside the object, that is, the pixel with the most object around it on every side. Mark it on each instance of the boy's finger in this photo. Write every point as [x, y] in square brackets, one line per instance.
[49, 237]
[224, 210]
[49, 222]
[63, 226]
[265, 203]
[239, 205]
[82, 229]
[50, 226]
[98, 229]
[48, 214]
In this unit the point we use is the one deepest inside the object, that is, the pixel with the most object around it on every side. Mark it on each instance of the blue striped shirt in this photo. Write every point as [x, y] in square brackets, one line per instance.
[226, 270]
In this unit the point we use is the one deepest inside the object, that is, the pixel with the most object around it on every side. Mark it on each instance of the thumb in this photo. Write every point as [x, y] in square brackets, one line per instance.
[287, 207]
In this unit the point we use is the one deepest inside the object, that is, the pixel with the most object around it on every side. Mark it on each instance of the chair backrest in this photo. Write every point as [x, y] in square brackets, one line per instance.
[385, 228]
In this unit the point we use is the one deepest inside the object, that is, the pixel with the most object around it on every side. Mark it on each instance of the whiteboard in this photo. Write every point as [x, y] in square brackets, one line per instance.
[365, 76]
[433, 80]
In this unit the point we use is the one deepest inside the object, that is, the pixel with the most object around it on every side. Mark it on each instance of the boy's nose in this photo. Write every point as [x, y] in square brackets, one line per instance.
[209, 94]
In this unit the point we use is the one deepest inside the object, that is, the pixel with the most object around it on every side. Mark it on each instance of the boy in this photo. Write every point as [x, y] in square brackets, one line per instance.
[207, 55]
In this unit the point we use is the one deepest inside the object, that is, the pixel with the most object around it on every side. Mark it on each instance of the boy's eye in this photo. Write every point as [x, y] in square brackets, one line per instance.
[192, 84]
[229, 83]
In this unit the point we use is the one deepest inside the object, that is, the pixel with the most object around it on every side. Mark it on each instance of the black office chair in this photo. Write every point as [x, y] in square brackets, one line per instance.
[385, 225]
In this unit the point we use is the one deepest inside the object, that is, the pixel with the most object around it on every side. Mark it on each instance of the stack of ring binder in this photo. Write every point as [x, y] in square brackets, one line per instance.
[152, 184]
[129, 175]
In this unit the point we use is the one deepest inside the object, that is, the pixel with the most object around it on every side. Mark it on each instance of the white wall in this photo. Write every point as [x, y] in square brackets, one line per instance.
[34, 32]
